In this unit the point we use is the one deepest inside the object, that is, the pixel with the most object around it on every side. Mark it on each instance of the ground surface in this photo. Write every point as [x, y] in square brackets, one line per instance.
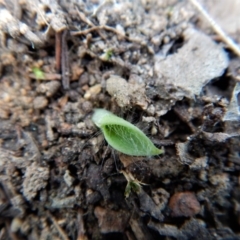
[155, 63]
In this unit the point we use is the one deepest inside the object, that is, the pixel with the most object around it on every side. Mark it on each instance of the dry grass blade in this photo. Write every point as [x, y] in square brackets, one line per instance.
[231, 44]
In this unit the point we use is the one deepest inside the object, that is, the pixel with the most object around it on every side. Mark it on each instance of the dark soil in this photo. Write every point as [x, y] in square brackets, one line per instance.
[154, 63]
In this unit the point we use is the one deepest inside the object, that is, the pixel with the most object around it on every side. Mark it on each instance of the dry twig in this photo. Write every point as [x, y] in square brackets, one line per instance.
[110, 29]
[81, 228]
[59, 229]
[231, 44]
[58, 45]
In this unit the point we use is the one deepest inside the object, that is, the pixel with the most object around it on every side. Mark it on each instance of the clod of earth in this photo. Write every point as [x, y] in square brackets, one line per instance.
[194, 65]
[184, 204]
[125, 93]
[111, 221]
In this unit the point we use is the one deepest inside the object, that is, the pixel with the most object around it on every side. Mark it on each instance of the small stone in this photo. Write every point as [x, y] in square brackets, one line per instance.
[68, 178]
[40, 102]
[203, 175]
[53, 88]
[154, 130]
[93, 197]
[220, 180]
[111, 221]
[160, 196]
[199, 163]
[124, 92]
[35, 179]
[87, 106]
[148, 119]
[49, 88]
[92, 91]
[184, 204]
[119, 89]
[16, 224]
[108, 166]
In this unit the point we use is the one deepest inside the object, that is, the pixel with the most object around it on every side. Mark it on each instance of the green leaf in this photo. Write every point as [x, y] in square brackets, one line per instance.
[124, 136]
[39, 74]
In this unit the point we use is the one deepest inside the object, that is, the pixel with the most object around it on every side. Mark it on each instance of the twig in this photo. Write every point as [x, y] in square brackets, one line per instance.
[87, 21]
[81, 228]
[59, 229]
[85, 32]
[231, 44]
[110, 29]
[65, 61]
[84, 18]
[58, 45]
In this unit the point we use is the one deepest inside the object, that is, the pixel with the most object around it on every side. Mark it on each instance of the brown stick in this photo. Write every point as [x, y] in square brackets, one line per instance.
[59, 229]
[230, 43]
[58, 45]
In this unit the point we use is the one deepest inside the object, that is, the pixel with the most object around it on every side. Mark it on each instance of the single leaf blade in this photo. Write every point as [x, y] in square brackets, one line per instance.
[124, 136]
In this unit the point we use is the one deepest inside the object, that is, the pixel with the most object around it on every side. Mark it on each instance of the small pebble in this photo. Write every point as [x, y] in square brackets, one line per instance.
[184, 204]
[111, 221]
[49, 88]
[16, 224]
[87, 106]
[93, 91]
[40, 102]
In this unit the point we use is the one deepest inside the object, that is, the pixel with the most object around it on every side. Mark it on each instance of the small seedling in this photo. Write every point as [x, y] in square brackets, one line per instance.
[109, 53]
[106, 56]
[124, 136]
[132, 184]
[38, 73]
